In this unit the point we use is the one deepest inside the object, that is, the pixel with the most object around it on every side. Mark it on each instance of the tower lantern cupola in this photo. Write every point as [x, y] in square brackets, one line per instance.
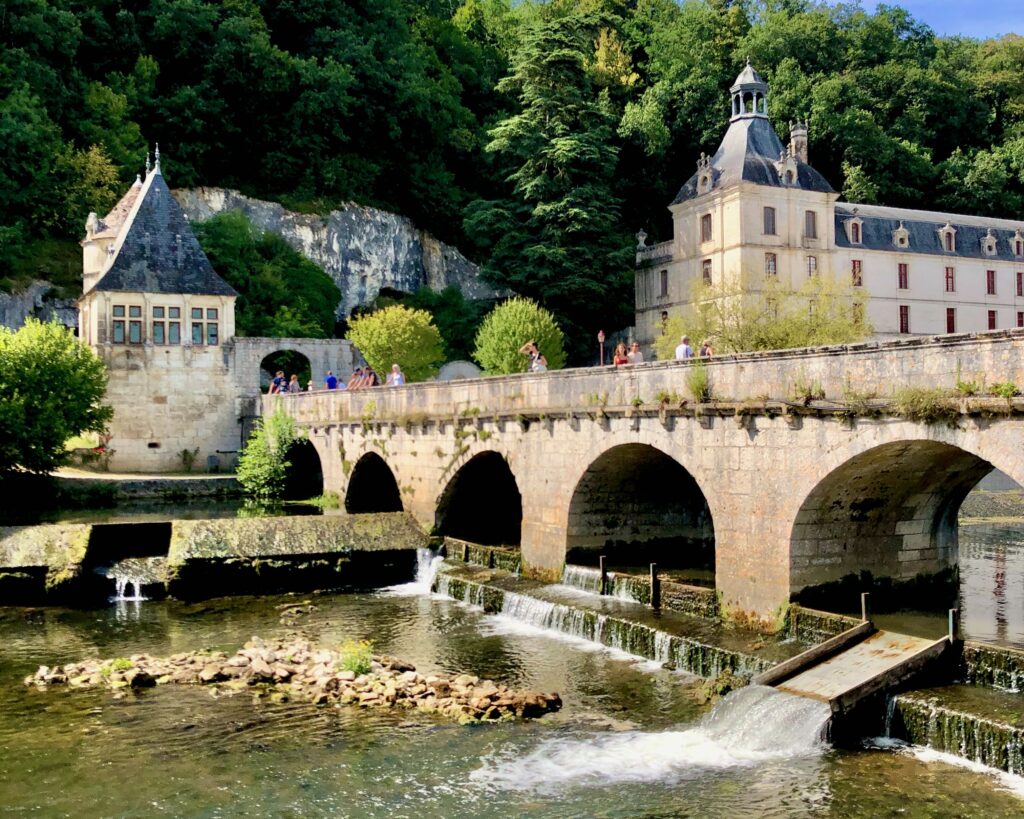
[749, 94]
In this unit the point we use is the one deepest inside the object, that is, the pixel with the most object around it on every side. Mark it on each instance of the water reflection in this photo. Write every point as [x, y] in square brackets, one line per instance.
[992, 583]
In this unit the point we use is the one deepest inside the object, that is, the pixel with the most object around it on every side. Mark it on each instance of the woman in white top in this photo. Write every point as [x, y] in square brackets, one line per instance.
[396, 378]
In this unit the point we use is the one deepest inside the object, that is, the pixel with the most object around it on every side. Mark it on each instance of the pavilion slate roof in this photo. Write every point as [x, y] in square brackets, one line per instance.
[748, 153]
[159, 253]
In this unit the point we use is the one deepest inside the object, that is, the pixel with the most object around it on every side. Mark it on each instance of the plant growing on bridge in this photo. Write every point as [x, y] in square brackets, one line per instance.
[1005, 389]
[699, 382]
[52, 389]
[399, 335]
[263, 464]
[508, 327]
[926, 405]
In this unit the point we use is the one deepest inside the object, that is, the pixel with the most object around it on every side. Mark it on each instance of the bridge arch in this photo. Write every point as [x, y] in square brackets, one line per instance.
[372, 487]
[305, 477]
[482, 502]
[637, 504]
[890, 510]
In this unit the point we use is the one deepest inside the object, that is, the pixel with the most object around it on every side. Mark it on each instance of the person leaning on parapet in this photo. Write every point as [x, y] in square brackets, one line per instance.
[706, 350]
[330, 381]
[538, 364]
[356, 381]
[620, 356]
[684, 350]
[634, 355]
[278, 383]
[396, 378]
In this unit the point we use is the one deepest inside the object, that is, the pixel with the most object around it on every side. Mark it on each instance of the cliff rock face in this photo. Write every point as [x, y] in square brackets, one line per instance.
[36, 300]
[362, 249]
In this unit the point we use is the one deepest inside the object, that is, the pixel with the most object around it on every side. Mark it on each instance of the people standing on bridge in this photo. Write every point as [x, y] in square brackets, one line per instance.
[634, 355]
[277, 384]
[330, 381]
[356, 381]
[620, 356]
[706, 350]
[396, 378]
[684, 350]
[293, 384]
[538, 363]
[309, 385]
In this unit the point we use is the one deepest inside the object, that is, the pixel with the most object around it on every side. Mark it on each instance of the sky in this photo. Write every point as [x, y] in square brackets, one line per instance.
[971, 18]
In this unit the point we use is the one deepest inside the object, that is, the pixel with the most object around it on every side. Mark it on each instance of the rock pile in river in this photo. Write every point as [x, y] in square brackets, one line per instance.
[298, 668]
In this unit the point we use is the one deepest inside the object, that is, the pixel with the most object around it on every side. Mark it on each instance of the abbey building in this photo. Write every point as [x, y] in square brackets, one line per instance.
[757, 211]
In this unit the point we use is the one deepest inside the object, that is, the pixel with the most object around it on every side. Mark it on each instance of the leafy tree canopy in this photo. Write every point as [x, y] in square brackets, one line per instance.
[52, 389]
[508, 327]
[398, 335]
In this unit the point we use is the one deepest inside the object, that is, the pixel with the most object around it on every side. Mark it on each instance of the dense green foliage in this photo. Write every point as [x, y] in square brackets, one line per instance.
[263, 464]
[51, 389]
[398, 335]
[536, 136]
[508, 327]
[280, 292]
[821, 311]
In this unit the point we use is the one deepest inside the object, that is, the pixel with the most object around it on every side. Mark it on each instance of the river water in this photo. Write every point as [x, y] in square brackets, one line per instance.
[631, 740]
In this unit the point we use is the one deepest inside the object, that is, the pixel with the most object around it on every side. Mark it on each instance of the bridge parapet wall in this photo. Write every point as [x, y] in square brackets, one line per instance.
[876, 368]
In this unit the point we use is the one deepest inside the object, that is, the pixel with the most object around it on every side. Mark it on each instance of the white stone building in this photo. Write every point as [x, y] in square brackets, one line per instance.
[181, 384]
[757, 211]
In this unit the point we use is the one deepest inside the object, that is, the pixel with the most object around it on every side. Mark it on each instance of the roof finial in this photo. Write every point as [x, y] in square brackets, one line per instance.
[147, 163]
[748, 59]
[156, 164]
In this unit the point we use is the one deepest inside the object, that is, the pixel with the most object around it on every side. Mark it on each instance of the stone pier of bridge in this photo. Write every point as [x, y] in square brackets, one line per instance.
[778, 491]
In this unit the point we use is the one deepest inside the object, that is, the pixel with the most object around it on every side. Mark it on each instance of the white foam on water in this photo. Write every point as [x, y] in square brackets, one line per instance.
[501, 625]
[1006, 781]
[749, 726]
[427, 564]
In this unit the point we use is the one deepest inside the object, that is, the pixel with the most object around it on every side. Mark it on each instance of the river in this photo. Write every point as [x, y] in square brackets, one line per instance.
[631, 740]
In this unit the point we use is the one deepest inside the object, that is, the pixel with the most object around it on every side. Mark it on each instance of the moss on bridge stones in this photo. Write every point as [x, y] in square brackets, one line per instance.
[37, 561]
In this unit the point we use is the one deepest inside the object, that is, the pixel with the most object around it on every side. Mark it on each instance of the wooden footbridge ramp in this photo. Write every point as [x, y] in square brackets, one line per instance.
[856, 664]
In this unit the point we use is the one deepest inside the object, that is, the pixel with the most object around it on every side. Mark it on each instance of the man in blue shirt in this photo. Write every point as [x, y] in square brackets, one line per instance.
[330, 381]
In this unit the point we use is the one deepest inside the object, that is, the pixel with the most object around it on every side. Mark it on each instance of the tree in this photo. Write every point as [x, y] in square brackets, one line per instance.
[51, 389]
[508, 327]
[557, 237]
[821, 311]
[398, 335]
[263, 464]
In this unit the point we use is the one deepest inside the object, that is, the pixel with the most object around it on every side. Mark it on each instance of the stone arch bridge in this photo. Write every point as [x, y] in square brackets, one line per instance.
[771, 488]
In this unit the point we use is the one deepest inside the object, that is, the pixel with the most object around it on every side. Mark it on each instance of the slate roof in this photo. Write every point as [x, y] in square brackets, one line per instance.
[878, 224]
[748, 76]
[748, 153]
[111, 224]
[159, 253]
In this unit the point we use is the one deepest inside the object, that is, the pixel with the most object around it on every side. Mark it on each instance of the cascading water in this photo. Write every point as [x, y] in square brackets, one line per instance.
[427, 564]
[748, 726]
[583, 578]
[131, 574]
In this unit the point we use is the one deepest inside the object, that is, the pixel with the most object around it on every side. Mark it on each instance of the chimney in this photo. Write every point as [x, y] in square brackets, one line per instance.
[798, 140]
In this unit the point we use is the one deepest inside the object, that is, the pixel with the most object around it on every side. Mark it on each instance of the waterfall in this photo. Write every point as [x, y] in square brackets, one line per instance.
[427, 564]
[748, 726]
[131, 574]
[126, 589]
[583, 578]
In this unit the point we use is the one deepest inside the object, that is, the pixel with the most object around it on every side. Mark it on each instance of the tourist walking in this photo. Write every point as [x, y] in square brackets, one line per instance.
[634, 355]
[330, 381]
[396, 378]
[706, 350]
[684, 350]
[538, 364]
[620, 357]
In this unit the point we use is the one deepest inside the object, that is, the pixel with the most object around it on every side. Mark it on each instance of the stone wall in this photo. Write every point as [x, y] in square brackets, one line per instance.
[36, 301]
[362, 249]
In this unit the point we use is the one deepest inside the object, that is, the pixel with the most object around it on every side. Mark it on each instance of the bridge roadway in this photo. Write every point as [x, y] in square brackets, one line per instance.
[777, 496]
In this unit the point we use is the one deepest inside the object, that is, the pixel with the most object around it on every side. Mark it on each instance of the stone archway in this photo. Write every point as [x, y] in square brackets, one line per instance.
[372, 487]
[889, 512]
[288, 362]
[637, 505]
[482, 503]
[305, 477]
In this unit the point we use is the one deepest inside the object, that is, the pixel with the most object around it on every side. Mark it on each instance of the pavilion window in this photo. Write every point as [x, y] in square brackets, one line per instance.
[769, 221]
[904, 318]
[771, 265]
[950, 319]
[812, 266]
[811, 224]
[706, 271]
[992, 322]
[950, 280]
[903, 276]
[856, 273]
[705, 227]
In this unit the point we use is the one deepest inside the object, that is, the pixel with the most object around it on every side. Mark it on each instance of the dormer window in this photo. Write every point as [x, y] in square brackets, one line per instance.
[854, 230]
[705, 180]
[1018, 244]
[988, 244]
[947, 237]
[901, 237]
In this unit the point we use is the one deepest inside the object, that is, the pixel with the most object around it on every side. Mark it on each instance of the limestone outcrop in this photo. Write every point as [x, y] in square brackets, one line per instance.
[362, 249]
[37, 301]
[296, 668]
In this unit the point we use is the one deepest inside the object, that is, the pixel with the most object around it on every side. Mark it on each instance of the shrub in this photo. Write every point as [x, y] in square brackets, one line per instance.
[699, 382]
[1005, 389]
[926, 404]
[263, 464]
[398, 335]
[356, 656]
[508, 327]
